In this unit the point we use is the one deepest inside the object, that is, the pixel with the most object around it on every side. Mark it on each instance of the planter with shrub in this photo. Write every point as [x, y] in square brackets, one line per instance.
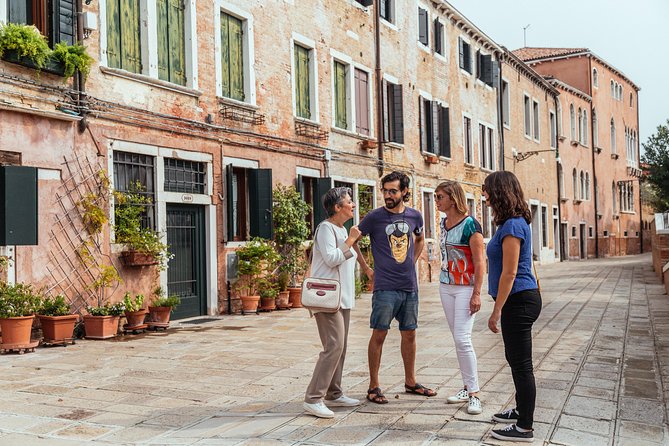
[57, 321]
[18, 305]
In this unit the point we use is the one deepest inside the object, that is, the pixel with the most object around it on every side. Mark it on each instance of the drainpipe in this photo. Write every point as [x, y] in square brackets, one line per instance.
[557, 169]
[379, 84]
[79, 77]
[594, 169]
[500, 118]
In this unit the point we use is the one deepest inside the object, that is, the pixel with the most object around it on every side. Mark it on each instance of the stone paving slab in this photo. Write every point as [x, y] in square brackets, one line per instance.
[601, 355]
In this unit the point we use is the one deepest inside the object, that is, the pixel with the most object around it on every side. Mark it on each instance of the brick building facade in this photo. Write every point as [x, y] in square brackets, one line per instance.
[210, 104]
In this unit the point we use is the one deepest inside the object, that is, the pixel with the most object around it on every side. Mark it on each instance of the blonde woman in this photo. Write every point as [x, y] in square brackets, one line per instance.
[461, 277]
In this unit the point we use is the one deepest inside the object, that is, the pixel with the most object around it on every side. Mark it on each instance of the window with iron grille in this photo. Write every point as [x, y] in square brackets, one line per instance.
[184, 176]
[135, 173]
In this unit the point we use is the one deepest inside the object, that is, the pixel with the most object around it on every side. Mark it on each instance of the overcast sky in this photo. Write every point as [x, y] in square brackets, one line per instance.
[631, 36]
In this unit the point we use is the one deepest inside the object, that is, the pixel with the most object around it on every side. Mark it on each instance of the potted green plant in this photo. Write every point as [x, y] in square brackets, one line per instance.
[366, 250]
[73, 57]
[268, 290]
[282, 298]
[161, 308]
[18, 304]
[56, 320]
[255, 259]
[101, 322]
[23, 44]
[289, 217]
[134, 313]
[143, 246]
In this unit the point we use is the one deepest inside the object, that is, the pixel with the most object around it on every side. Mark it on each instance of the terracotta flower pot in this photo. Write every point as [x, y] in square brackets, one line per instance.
[160, 315]
[250, 303]
[295, 296]
[267, 303]
[58, 328]
[136, 258]
[282, 299]
[100, 327]
[136, 318]
[16, 330]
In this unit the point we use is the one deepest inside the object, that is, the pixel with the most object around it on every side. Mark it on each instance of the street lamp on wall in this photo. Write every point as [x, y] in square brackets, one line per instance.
[520, 156]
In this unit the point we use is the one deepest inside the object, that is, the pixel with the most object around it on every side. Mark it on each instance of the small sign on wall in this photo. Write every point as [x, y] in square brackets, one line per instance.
[186, 198]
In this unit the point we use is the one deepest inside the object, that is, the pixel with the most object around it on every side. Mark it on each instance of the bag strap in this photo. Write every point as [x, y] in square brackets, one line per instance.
[313, 248]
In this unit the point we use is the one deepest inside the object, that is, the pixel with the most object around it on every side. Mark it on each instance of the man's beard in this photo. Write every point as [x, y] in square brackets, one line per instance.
[392, 204]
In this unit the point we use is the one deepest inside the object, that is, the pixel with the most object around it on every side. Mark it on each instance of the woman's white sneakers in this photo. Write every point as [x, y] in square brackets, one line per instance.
[318, 410]
[343, 401]
[474, 406]
[459, 397]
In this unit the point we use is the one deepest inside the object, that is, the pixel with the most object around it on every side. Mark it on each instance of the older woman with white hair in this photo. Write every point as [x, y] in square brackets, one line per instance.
[333, 258]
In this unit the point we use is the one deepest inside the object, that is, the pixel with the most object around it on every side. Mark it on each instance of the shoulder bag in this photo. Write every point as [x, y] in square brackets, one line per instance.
[320, 294]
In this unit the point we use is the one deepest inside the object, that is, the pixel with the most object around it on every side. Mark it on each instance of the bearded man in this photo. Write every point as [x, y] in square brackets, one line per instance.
[396, 235]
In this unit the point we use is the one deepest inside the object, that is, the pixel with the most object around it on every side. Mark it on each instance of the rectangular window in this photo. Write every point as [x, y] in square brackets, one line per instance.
[394, 113]
[606, 233]
[573, 231]
[362, 109]
[387, 10]
[123, 36]
[184, 176]
[535, 120]
[506, 104]
[438, 37]
[590, 232]
[311, 190]
[469, 150]
[171, 41]
[471, 206]
[527, 114]
[484, 68]
[340, 95]
[423, 27]
[428, 214]
[427, 133]
[551, 118]
[249, 203]
[365, 200]
[136, 173]
[302, 82]
[487, 223]
[53, 18]
[465, 56]
[544, 227]
[486, 147]
[232, 57]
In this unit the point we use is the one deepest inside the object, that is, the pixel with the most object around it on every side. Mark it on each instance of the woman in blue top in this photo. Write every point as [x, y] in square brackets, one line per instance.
[516, 294]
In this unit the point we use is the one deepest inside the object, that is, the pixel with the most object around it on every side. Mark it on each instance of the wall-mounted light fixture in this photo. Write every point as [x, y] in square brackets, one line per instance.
[520, 156]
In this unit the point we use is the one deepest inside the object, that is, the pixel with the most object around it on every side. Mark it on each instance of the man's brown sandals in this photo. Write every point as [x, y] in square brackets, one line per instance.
[376, 396]
[419, 389]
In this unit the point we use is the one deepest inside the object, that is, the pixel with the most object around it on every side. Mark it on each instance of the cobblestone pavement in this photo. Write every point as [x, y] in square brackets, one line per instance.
[601, 355]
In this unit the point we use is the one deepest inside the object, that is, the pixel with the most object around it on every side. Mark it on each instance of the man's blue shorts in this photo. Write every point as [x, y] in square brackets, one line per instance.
[389, 305]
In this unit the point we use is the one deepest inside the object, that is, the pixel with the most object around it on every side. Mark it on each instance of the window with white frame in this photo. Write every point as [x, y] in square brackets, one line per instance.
[613, 137]
[613, 89]
[535, 120]
[486, 147]
[487, 224]
[429, 213]
[561, 181]
[584, 138]
[387, 10]
[305, 79]
[506, 104]
[471, 207]
[393, 113]
[626, 195]
[614, 199]
[559, 118]
[434, 127]
[154, 38]
[136, 173]
[572, 122]
[582, 177]
[631, 100]
[595, 78]
[579, 118]
[595, 129]
[465, 55]
[54, 19]
[362, 103]
[234, 67]
[574, 181]
[527, 114]
[467, 136]
[587, 185]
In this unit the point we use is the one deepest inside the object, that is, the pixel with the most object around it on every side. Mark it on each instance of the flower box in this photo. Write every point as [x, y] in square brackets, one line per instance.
[136, 258]
[52, 66]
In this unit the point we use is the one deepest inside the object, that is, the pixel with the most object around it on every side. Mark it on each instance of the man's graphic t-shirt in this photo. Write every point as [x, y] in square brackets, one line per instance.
[393, 247]
[457, 266]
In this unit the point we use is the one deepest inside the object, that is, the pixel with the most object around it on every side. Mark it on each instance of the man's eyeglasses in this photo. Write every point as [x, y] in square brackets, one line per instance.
[389, 191]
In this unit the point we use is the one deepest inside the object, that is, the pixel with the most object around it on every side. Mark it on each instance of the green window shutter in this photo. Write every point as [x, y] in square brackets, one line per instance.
[232, 57]
[62, 21]
[302, 100]
[123, 38]
[260, 203]
[321, 186]
[340, 95]
[171, 41]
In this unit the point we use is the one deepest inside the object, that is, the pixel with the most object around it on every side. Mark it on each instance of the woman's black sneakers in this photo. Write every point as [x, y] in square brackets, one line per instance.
[511, 433]
[508, 416]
